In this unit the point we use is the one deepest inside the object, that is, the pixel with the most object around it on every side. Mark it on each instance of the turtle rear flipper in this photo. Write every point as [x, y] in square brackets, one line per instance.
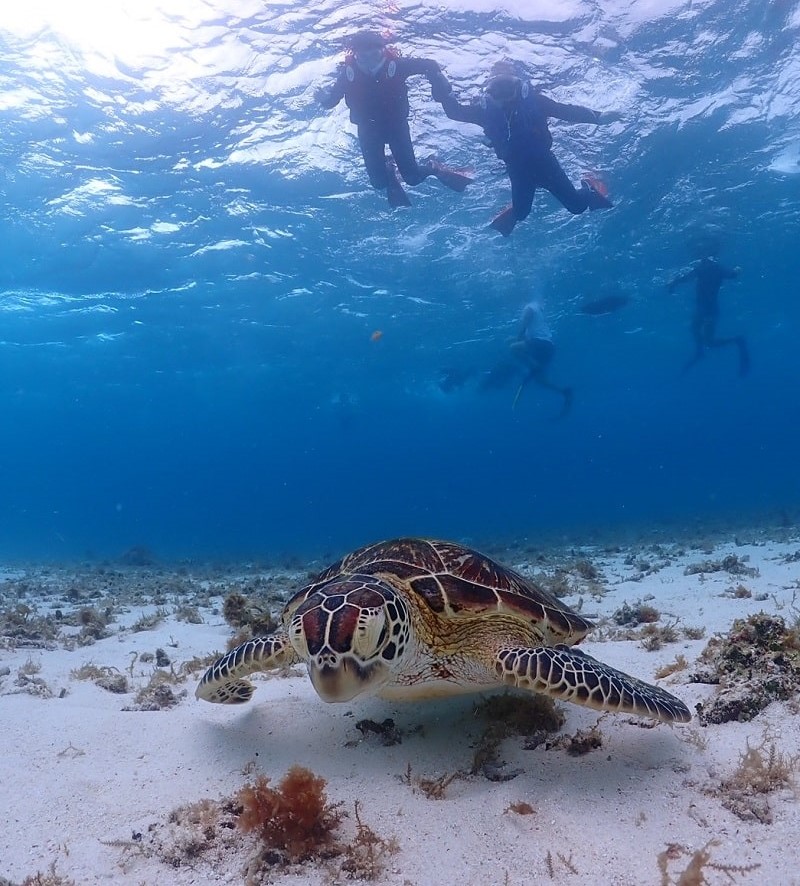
[566, 673]
[223, 682]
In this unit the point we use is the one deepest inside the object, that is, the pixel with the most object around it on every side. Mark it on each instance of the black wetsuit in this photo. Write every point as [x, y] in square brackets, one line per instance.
[379, 107]
[709, 276]
[521, 138]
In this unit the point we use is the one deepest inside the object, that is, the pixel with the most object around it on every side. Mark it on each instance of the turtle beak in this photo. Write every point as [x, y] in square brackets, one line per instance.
[346, 679]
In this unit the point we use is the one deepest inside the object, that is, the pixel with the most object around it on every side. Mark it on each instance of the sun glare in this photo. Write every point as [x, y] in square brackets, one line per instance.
[134, 32]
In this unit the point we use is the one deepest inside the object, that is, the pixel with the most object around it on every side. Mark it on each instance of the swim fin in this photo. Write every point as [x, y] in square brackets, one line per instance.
[397, 196]
[395, 192]
[504, 221]
[454, 179]
[598, 192]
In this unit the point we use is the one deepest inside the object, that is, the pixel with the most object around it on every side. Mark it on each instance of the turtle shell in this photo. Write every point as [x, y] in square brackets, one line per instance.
[455, 581]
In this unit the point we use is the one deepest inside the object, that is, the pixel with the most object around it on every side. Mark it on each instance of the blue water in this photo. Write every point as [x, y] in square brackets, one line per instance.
[192, 268]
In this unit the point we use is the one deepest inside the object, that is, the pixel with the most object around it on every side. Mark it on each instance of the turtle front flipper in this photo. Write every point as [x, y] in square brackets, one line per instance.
[224, 683]
[567, 673]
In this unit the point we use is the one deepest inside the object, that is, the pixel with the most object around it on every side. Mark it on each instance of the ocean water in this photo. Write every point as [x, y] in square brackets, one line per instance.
[193, 269]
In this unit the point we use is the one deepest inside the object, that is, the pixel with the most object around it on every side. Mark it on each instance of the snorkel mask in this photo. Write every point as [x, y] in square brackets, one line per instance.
[505, 89]
[369, 51]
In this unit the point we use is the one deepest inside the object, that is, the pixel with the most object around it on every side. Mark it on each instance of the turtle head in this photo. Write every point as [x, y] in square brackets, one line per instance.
[352, 633]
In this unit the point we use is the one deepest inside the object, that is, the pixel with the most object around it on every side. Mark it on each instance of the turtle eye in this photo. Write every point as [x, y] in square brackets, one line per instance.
[370, 633]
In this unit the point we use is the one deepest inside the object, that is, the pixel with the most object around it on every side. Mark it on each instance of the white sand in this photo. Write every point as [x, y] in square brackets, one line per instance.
[80, 776]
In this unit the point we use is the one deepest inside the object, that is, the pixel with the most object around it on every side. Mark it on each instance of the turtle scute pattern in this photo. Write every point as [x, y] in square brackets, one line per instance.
[224, 683]
[573, 675]
[451, 579]
[413, 618]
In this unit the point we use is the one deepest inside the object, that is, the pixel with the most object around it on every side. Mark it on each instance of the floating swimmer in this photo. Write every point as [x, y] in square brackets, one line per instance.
[514, 117]
[709, 276]
[535, 348]
[372, 82]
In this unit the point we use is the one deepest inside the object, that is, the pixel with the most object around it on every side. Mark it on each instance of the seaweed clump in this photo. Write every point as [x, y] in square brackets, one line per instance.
[267, 829]
[295, 822]
[432, 788]
[387, 731]
[699, 860]
[580, 575]
[732, 564]
[364, 857]
[108, 678]
[93, 624]
[51, 878]
[584, 741]
[240, 611]
[295, 818]
[195, 830]
[637, 614]
[21, 625]
[158, 694]
[533, 717]
[761, 771]
[758, 662]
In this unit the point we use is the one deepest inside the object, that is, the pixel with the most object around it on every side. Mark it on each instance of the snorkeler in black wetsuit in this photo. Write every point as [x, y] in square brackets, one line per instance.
[709, 275]
[514, 119]
[372, 82]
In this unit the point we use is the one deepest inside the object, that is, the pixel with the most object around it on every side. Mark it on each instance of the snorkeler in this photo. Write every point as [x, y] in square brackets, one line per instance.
[709, 275]
[372, 81]
[535, 348]
[514, 119]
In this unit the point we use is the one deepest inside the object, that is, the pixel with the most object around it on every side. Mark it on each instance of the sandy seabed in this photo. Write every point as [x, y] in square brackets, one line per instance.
[107, 758]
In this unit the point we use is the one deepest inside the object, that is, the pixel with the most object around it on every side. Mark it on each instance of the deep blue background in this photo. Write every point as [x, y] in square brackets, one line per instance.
[188, 290]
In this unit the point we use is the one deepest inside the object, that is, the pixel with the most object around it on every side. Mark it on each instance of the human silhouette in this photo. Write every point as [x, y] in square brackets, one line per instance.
[372, 81]
[709, 276]
[514, 117]
[535, 348]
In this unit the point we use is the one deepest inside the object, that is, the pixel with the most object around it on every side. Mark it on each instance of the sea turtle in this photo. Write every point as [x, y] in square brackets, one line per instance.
[413, 618]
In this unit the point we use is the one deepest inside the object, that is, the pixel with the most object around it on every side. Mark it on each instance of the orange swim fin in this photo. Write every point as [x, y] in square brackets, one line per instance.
[598, 199]
[455, 179]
